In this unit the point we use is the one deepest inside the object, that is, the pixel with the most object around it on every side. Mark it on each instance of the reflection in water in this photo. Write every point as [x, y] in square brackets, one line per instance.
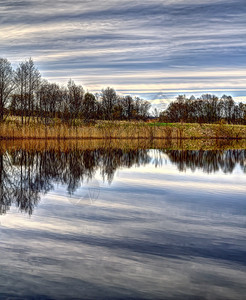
[154, 231]
[208, 161]
[25, 174]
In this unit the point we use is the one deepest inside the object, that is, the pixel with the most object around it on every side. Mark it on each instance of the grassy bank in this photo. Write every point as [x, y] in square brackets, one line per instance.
[12, 129]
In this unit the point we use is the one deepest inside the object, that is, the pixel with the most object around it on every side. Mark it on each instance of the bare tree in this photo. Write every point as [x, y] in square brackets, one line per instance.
[109, 99]
[27, 80]
[33, 84]
[128, 106]
[89, 106]
[75, 99]
[6, 85]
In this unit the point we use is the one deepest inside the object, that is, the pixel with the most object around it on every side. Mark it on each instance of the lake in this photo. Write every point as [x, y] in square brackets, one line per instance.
[92, 221]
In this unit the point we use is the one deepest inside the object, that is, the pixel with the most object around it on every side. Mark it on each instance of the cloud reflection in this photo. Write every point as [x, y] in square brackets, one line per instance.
[140, 239]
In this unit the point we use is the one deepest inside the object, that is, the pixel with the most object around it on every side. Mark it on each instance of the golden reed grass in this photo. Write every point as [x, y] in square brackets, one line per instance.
[121, 130]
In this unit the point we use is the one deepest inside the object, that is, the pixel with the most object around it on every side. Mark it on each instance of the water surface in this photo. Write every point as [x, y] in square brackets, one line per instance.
[113, 223]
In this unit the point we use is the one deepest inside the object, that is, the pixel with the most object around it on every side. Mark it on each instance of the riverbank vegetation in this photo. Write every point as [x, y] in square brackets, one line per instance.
[33, 108]
[24, 93]
[13, 128]
[206, 109]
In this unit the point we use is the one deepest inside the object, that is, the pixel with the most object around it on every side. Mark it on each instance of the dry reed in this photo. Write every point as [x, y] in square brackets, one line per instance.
[12, 129]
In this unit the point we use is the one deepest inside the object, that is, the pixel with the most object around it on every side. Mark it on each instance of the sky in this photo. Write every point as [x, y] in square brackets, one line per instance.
[153, 49]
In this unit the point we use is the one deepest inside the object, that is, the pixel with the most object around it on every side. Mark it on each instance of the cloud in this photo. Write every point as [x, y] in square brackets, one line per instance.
[137, 47]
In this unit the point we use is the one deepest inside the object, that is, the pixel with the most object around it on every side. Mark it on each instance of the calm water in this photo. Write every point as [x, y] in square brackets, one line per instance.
[114, 224]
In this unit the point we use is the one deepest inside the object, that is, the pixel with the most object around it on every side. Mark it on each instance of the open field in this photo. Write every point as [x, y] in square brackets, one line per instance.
[12, 129]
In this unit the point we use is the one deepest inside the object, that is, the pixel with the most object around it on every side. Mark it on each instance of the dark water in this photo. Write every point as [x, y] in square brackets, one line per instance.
[123, 224]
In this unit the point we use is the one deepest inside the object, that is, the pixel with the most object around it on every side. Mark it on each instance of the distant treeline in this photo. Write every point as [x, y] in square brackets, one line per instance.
[24, 93]
[206, 109]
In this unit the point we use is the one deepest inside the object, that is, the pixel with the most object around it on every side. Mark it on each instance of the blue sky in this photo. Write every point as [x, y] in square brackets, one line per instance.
[155, 49]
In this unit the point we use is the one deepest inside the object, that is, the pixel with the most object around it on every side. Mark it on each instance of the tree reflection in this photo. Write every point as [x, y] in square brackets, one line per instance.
[25, 175]
[208, 161]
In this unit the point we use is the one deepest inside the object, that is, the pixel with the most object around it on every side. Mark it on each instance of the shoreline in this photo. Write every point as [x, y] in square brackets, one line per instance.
[121, 130]
[115, 138]
[124, 144]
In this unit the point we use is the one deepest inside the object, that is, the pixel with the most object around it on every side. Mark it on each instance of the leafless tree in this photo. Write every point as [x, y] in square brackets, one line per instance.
[6, 85]
[27, 80]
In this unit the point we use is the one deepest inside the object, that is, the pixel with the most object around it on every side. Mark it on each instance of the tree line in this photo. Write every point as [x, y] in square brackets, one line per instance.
[205, 109]
[24, 93]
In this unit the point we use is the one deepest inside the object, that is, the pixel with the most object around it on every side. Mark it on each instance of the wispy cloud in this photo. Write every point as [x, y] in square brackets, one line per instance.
[140, 47]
